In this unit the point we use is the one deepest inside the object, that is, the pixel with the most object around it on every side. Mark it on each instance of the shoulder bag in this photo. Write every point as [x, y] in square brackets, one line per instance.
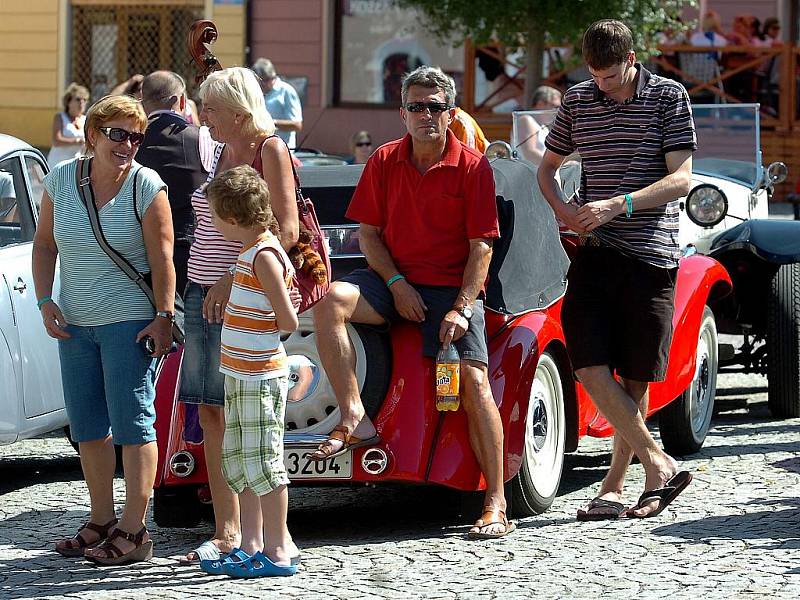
[143, 281]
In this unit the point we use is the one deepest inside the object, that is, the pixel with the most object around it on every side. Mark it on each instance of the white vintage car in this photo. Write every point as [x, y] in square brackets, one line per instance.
[726, 216]
[31, 400]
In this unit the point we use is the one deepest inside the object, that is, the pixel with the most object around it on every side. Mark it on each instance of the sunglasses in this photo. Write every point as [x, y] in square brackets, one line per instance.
[434, 107]
[118, 134]
[362, 144]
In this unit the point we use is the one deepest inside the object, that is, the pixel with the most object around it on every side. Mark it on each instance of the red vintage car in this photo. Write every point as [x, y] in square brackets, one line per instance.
[544, 410]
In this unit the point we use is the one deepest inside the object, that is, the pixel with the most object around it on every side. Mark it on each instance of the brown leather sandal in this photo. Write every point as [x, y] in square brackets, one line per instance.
[143, 550]
[75, 545]
[349, 442]
[491, 516]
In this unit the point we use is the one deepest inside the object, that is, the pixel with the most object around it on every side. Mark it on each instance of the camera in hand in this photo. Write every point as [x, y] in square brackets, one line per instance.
[149, 345]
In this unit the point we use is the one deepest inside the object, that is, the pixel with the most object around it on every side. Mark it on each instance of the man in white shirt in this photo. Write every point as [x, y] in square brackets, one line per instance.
[282, 100]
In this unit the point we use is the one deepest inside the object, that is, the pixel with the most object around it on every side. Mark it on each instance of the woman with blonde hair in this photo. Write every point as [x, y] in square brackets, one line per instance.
[68, 134]
[233, 108]
[102, 319]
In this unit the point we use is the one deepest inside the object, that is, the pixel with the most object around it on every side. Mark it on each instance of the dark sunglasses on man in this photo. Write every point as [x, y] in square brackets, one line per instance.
[363, 144]
[118, 134]
[434, 107]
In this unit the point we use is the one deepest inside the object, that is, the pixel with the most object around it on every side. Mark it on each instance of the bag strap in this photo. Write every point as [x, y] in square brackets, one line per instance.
[82, 173]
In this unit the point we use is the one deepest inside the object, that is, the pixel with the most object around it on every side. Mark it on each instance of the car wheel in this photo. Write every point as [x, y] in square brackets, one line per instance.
[311, 404]
[684, 422]
[177, 506]
[535, 486]
[783, 342]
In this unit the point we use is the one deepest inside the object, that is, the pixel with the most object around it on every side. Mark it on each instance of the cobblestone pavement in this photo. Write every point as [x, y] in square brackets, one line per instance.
[734, 533]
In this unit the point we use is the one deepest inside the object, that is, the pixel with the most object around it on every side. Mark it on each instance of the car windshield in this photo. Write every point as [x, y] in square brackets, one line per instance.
[727, 139]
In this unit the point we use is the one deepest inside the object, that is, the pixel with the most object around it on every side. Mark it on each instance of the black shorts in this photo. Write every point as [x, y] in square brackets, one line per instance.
[618, 312]
[439, 300]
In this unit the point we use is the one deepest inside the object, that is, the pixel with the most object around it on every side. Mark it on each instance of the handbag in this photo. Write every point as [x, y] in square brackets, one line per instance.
[144, 282]
[311, 292]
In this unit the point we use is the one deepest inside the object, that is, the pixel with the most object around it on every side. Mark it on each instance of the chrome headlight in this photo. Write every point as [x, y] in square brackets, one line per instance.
[706, 205]
[498, 149]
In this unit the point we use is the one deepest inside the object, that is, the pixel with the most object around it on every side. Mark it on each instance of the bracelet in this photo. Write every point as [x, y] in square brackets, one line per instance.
[42, 301]
[628, 205]
[394, 279]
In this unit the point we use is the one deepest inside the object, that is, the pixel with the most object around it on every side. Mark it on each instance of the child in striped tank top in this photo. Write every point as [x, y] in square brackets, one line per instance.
[256, 375]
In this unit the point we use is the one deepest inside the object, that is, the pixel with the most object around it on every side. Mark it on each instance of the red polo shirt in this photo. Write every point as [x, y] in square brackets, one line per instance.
[427, 219]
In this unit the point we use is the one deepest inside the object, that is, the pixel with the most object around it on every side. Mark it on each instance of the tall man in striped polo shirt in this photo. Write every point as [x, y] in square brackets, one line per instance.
[635, 135]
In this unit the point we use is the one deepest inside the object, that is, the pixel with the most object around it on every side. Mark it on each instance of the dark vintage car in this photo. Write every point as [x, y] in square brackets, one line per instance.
[543, 410]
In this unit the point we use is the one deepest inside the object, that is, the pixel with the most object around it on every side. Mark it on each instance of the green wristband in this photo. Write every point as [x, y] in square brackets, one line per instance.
[628, 205]
[394, 279]
[42, 301]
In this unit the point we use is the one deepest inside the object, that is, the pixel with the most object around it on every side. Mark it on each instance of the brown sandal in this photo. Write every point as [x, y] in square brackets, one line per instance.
[349, 442]
[77, 544]
[491, 516]
[143, 550]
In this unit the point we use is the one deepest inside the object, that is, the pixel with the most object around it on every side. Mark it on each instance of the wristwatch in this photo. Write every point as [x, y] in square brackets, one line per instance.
[166, 315]
[465, 311]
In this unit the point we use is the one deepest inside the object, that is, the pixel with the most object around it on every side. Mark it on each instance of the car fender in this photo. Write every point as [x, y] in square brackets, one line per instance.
[513, 355]
[773, 240]
[10, 392]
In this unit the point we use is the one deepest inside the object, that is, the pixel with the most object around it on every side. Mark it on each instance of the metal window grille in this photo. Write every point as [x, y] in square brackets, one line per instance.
[110, 43]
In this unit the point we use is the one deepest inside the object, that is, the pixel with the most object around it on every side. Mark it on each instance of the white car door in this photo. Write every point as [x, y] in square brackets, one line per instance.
[37, 352]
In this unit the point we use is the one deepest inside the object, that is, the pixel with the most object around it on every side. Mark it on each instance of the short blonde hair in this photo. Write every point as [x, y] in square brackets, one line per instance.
[238, 90]
[240, 195]
[73, 91]
[111, 108]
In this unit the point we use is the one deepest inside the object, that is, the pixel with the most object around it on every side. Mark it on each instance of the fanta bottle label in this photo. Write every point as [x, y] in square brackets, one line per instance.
[447, 379]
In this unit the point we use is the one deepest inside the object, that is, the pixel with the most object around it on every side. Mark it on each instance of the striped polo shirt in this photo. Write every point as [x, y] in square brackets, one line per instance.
[94, 291]
[622, 148]
[211, 254]
[251, 345]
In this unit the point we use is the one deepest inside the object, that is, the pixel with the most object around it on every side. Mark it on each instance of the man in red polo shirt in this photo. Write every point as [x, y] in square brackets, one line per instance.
[426, 205]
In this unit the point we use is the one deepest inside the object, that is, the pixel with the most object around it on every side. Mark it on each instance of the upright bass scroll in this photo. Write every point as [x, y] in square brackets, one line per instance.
[201, 33]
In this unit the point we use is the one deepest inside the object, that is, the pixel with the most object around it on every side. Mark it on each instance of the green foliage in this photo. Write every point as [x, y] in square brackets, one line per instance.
[515, 22]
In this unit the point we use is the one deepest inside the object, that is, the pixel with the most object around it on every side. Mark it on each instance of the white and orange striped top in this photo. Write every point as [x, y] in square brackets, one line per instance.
[251, 343]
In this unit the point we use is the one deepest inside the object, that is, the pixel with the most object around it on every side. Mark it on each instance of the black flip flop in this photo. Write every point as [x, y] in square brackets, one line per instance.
[618, 507]
[664, 495]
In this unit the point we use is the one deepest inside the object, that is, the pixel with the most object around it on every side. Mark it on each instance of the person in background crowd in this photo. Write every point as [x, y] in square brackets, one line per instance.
[743, 84]
[618, 309]
[68, 133]
[130, 87]
[772, 31]
[710, 33]
[532, 132]
[179, 152]
[101, 319]
[234, 110]
[282, 101]
[360, 147]
[467, 130]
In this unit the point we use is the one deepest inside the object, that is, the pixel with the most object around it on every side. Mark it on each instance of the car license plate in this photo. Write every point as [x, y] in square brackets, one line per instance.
[299, 467]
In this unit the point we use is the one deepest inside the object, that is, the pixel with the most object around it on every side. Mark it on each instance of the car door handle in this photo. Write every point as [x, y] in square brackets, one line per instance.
[20, 286]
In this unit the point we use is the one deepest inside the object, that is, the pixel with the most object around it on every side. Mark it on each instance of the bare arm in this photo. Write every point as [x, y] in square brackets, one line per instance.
[270, 275]
[548, 184]
[58, 139]
[286, 125]
[676, 184]
[277, 167]
[454, 325]
[528, 130]
[45, 253]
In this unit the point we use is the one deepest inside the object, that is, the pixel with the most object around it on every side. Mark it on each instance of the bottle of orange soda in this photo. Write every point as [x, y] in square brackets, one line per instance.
[448, 378]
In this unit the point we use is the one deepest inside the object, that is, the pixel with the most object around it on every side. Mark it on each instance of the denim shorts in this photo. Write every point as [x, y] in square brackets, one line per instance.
[201, 381]
[109, 383]
[439, 300]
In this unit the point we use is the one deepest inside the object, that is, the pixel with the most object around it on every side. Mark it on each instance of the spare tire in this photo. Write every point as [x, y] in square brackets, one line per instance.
[311, 405]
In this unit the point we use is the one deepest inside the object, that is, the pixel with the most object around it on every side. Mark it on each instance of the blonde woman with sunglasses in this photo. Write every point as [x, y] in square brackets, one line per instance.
[101, 320]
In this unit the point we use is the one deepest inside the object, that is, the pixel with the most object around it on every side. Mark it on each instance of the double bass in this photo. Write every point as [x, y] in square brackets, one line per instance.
[202, 33]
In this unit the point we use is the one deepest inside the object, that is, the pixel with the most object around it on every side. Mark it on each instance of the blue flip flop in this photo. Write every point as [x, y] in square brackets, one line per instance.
[258, 565]
[217, 566]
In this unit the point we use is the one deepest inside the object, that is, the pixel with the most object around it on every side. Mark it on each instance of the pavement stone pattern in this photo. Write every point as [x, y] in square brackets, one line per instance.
[734, 533]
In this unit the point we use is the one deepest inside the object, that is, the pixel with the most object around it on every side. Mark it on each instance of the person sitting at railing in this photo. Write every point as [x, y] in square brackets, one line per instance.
[743, 84]
[710, 33]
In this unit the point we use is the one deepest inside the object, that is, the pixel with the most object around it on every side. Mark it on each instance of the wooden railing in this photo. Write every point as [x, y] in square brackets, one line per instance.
[745, 74]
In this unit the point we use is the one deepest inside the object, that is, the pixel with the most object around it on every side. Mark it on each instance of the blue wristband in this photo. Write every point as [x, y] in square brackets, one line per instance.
[42, 301]
[394, 279]
[628, 205]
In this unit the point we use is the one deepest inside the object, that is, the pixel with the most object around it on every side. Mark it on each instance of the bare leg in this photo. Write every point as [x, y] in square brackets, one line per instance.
[622, 454]
[278, 544]
[252, 522]
[98, 462]
[343, 304]
[226, 503]
[485, 435]
[623, 413]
